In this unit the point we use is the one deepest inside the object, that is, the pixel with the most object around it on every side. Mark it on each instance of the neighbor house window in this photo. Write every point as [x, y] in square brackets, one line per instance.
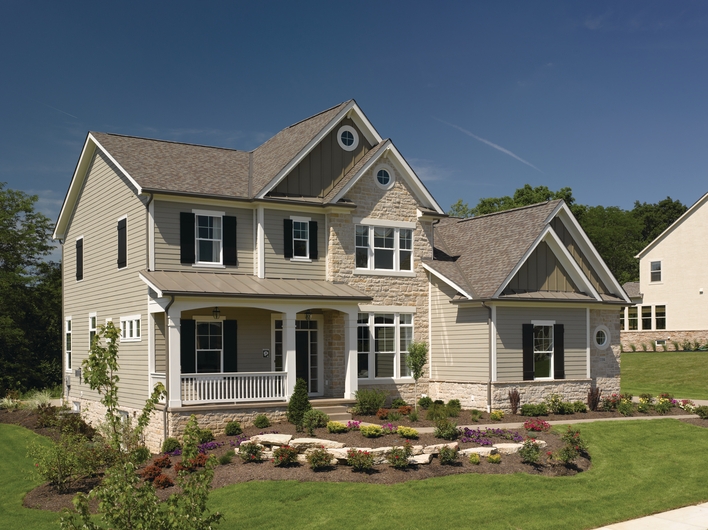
[384, 248]
[622, 319]
[382, 344]
[67, 342]
[660, 316]
[655, 271]
[646, 317]
[632, 318]
[92, 327]
[130, 328]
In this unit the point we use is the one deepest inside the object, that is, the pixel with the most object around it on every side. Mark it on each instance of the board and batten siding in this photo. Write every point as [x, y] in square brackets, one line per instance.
[253, 335]
[509, 339]
[541, 272]
[578, 255]
[276, 265]
[167, 241]
[459, 337]
[106, 290]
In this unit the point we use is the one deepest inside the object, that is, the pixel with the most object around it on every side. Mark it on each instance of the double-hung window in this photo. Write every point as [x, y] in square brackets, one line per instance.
[646, 317]
[655, 271]
[384, 248]
[543, 350]
[209, 347]
[130, 328]
[660, 316]
[207, 239]
[92, 327]
[67, 342]
[632, 318]
[300, 239]
[382, 344]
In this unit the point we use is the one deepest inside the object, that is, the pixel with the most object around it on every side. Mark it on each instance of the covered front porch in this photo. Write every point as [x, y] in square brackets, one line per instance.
[233, 348]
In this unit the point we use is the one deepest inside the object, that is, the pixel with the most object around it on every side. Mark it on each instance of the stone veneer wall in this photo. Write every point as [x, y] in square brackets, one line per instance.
[537, 391]
[396, 204]
[472, 395]
[405, 391]
[334, 356]
[216, 418]
[637, 338]
[605, 364]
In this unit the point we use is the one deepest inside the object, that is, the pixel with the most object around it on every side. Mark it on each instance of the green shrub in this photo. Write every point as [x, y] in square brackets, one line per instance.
[398, 402]
[398, 456]
[566, 408]
[371, 431]
[494, 459]
[233, 428]
[336, 427]
[579, 406]
[227, 457]
[425, 402]
[299, 404]
[633, 347]
[369, 401]
[646, 398]
[261, 421]
[285, 456]
[454, 404]
[250, 452]
[413, 416]
[662, 406]
[205, 436]
[436, 411]
[170, 445]
[407, 432]
[553, 402]
[446, 429]
[319, 459]
[496, 415]
[475, 415]
[534, 410]
[314, 419]
[73, 423]
[572, 437]
[474, 459]
[530, 452]
[643, 407]
[360, 460]
[140, 455]
[394, 415]
[626, 408]
[448, 455]
[59, 463]
[702, 412]
[565, 455]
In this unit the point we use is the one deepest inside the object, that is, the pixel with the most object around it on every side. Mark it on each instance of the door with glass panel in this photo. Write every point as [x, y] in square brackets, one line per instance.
[308, 352]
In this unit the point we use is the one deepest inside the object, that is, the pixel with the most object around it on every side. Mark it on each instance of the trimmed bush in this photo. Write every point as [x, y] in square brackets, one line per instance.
[233, 428]
[250, 452]
[205, 436]
[496, 415]
[360, 460]
[474, 459]
[369, 401]
[534, 410]
[425, 402]
[446, 429]
[494, 459]
[371, 431]
[285, 456]
[319, 459]
[579, 406]
[170, 445]
[335, 427]
[261, 421]
[398, 402]
[702, 412]
[314, 419]
[299, 404]
[407, 432]
[448, 456]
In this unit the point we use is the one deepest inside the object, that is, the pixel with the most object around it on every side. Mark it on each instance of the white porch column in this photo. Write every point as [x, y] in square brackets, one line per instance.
[289, 318]
[351, 381]
[174, 371]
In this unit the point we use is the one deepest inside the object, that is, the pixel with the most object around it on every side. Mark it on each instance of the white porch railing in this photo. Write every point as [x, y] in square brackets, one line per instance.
[233, 387]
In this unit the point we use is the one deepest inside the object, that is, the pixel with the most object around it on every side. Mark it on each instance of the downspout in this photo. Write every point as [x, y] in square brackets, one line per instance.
[167, 367]
[489, 382]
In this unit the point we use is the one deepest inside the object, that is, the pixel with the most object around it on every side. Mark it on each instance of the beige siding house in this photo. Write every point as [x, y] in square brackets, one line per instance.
[670, 304]
[319, 255]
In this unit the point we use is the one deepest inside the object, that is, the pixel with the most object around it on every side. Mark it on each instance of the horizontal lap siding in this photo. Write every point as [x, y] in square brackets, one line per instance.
[160, 343]
[105, 290]
[167, 241]
[509, 347]
[459, 338]
[276, 265]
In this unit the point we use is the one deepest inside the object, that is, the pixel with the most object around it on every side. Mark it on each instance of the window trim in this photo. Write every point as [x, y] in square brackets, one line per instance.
[129, 323]
[656, 318]
[604, 345]
[645, 316]
[92, 327]
[208, 213]
[546, 324]
[397, 353]
[68, 334]
[633, 318]
[208, 320]
[355, 134]
[306, 221]
[660, 272]
[371, 250]
[392, 176]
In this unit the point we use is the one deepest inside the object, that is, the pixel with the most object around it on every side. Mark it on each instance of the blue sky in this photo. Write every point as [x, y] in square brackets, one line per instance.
[608, 98]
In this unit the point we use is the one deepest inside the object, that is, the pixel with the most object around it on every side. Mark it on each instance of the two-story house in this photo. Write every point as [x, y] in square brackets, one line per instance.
[319, 255]
[670, 304]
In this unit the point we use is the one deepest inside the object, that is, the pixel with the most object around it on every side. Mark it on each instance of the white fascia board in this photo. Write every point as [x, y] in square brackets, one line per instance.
[151, 285]
[589, 251]
[421, 192]
[138, 187]
[359, 118]
[549, 236]
[447, 281]
[700, 202]
[350, 107]
[73, 191]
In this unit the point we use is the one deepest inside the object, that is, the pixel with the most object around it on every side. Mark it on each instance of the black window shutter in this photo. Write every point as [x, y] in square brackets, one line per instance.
[79, 259]
[122, 244]
[186, 237]
[527, 344]
[313, 239]
[558, 352]
[288, 238]
[230, 255]
[230, 349]
[187, 346]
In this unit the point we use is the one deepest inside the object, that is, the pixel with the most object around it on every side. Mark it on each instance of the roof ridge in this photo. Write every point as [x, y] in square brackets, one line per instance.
[168, 141]
[518, 208]
[315, 115]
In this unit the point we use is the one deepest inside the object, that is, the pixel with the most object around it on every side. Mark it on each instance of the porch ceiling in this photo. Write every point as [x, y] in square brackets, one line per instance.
[200, 283]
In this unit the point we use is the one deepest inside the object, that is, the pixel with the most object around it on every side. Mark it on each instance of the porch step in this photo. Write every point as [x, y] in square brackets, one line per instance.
[335, 412]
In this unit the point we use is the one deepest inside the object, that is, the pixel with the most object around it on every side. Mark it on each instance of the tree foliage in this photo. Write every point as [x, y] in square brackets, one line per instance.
[617, 234]
[417, 357]
[30, 296]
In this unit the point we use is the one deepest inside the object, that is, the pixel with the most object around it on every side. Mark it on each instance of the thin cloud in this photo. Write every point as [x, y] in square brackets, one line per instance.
[428, 171]
[490, 144]
[59, 110]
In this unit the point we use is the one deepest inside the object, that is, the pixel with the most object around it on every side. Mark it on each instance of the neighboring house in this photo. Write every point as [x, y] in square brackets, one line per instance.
[233, 273]
[670, 304]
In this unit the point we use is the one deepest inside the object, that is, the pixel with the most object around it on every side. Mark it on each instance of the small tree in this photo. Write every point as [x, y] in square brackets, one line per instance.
[299, 404]
[417, 357]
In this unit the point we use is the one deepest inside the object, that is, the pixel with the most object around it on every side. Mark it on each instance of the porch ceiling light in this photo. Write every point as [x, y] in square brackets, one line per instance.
[216, 313]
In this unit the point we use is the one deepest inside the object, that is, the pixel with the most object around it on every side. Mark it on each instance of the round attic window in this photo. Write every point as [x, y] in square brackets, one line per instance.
[602, 337]
[348, 138]
[384, 176]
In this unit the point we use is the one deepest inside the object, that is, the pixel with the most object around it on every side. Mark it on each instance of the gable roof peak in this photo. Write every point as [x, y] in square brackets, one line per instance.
[553, 203]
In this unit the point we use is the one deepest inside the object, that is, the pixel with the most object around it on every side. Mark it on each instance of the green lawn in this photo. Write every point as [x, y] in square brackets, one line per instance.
[639, 468]
[683, 374]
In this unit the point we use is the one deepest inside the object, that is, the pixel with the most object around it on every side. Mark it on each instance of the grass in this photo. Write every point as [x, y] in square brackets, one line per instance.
[639, 468]
[683, 374]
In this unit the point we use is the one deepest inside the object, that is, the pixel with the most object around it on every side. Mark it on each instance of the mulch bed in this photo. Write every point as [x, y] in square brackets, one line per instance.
[46, 498]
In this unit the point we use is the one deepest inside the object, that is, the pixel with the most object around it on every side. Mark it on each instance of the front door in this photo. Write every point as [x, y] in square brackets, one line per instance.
[308, 352]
